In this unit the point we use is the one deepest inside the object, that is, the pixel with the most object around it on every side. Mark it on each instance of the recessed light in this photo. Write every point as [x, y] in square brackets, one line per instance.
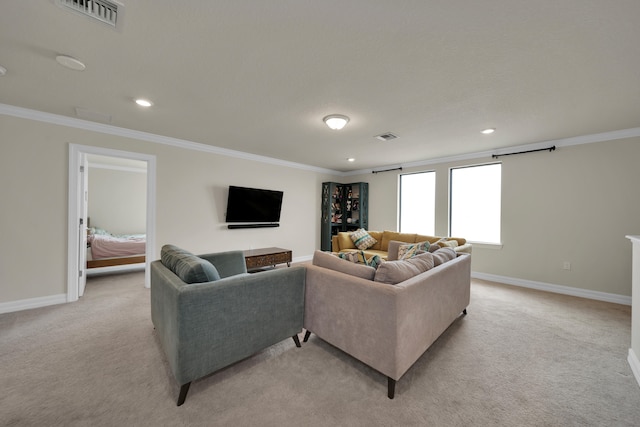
[70, 62]
[351, 159]
[144, 102]
[488, 131]
[3, 71]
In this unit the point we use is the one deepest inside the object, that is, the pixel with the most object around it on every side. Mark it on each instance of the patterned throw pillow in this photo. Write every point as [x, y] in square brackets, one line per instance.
[375, 261]
[446, 243]
[359, 257]
[362, 239]
[411, 250]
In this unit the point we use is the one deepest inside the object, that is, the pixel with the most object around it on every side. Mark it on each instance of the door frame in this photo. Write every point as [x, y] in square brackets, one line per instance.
[75, 199]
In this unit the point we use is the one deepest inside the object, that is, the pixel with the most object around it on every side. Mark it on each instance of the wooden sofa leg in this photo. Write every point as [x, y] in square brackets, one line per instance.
[183, 393]
[296, 340]
[391, 387]
[307, 334]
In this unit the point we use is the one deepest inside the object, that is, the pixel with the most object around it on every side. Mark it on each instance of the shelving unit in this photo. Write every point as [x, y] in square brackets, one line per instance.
[344, 208]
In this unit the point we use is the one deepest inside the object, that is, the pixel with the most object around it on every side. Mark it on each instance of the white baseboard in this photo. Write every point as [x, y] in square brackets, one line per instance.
[635, 364]
[557, 289]
[26, 304]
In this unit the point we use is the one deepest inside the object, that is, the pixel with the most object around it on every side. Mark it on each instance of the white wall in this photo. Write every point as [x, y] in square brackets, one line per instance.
[117, 200]
[575, 204]
[191, 199]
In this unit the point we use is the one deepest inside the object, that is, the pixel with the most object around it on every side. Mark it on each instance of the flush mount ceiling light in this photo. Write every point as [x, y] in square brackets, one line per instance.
[336, 121]
[488, 131]
[351, 159]
[144, 102]
[70, 62]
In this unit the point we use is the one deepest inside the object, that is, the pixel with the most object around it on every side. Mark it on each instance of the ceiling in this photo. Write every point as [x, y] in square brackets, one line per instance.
[259, 76]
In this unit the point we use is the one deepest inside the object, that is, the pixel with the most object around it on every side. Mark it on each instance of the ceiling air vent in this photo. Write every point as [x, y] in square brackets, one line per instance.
[102, 10]
[386, 136]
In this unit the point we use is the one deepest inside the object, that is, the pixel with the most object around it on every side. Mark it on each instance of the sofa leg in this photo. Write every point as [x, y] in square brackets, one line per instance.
[307, 334]
[391, 387]
[296, 340]
[464, 311]
[183, 393]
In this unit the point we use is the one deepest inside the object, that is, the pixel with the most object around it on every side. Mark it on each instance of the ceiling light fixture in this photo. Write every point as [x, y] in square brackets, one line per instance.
[70, 62]
[144, 102]
[351, 159]
[336, 121]
[488, 131]
[3, 71]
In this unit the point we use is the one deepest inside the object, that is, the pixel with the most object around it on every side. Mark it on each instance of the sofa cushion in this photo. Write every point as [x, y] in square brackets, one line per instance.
[362, 240]
[410, 250]
[332, 262]
[188, 267]
[443, 255]
[393, 272]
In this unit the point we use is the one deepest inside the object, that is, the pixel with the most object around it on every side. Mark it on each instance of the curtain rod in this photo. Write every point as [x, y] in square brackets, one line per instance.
[387, 170]
[552, 148]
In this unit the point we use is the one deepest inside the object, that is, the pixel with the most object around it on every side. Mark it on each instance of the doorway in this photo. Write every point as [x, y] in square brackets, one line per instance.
[77, 224]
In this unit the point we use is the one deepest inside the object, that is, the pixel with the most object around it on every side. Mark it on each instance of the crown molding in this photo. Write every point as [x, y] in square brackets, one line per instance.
[564, 142]
[57, 119]
[25, 113]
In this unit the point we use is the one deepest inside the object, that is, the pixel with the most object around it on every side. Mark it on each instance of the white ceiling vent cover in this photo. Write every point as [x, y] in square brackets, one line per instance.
[102, 10]
[386, 136]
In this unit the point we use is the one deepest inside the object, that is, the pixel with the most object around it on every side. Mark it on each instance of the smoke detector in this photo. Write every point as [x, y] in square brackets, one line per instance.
[105, 11]
[386, 136]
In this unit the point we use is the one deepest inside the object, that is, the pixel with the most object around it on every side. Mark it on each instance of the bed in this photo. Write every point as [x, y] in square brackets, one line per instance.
[105, 249]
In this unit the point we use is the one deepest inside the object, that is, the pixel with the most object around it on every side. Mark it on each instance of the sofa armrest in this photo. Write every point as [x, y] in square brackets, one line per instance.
[227, 263]
[335, 244]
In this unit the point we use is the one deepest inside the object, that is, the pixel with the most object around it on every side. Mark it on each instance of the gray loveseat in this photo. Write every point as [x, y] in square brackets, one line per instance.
[386, 326]
[209, 312]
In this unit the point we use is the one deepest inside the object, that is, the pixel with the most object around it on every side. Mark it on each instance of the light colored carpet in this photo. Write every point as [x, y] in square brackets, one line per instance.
[520, 358]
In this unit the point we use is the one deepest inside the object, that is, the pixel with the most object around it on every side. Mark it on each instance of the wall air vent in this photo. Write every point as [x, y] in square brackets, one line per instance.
[386, 136]
[102, 10]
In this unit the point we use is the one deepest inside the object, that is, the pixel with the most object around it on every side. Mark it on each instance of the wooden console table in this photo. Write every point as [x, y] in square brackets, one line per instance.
[258, 258]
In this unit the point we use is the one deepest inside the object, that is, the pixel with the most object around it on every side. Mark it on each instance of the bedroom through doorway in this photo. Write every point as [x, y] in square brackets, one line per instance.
[111, 214]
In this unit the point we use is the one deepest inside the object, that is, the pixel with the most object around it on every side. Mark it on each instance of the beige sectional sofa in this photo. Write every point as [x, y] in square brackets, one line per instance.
[386, 326]
[342, 242]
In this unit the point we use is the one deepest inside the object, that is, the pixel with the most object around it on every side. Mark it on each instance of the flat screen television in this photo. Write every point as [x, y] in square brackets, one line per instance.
[253, 205]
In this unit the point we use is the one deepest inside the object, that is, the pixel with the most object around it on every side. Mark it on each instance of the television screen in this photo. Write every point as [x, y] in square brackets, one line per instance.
[253, 205]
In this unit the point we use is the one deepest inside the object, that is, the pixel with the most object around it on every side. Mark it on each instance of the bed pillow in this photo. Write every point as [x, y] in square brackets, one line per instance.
[394, 272]
[332, 262]
[188, 267]
[362, 239]
[443, 255]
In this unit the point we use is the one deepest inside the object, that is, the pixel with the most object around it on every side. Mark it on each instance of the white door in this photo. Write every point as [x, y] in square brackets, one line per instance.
[82, 226]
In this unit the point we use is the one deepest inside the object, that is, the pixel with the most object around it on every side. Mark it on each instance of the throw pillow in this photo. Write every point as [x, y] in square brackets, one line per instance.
[360, 257]
[327, 260]
[434, 247]
[444, 242]
[375, 261]
[443, 255]
[394, 272]
[410, 250]
[362, 239]
[187, 266]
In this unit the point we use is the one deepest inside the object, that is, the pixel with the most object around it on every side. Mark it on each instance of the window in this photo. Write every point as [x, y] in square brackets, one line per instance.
[475, 202]
[417, 203]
